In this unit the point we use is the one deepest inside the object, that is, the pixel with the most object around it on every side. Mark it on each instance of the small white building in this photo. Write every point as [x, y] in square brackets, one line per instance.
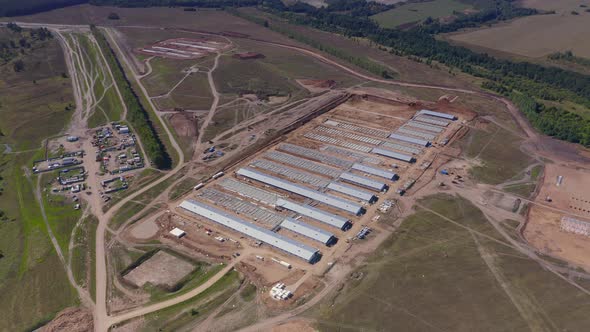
[177, 232]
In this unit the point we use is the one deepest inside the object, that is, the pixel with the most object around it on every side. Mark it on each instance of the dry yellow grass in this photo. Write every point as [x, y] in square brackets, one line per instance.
[540, 35]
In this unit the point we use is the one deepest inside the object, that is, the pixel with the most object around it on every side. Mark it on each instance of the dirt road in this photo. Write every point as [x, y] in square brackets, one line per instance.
[102, 319]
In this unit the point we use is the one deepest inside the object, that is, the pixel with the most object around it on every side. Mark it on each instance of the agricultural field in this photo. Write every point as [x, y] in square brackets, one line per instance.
[536, 36]
[35, 103]
[438, 267]
[416, 12]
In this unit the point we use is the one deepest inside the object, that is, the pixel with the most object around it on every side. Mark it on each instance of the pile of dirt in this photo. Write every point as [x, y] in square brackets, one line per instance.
[185, 124]
[249, 56]
[326, 84]
[72, 320]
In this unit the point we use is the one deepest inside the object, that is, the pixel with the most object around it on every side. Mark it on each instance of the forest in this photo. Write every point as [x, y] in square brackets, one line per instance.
[136, 115]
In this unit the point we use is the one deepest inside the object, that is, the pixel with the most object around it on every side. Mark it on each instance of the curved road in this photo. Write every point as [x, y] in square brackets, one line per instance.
[103, 320]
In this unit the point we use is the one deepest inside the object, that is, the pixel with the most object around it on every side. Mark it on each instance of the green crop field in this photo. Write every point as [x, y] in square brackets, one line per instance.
[34, 105]
[432, 275]
[419, 11]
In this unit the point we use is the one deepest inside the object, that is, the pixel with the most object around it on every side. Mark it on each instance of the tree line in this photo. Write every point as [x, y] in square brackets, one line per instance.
[137, 115]
[490, 12]
[504, 76]
[554, 121]
[361, 62]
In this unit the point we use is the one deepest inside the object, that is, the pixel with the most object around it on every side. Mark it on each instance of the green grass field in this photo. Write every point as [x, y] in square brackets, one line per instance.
[260, 77]
[193, 93]
[419, 11]
[432, 275]
[33, 283]
[60, 212]
[108, 107]
[498, 151]
[166, 73]
[83, 255]
[180, 315]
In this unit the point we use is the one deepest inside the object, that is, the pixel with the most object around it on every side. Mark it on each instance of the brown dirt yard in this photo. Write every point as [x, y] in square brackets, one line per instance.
[161, 269]
[542, 229]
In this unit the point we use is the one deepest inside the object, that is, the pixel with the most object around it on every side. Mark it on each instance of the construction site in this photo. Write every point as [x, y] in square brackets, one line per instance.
[559, 225]
[299, 203]
[183, 48]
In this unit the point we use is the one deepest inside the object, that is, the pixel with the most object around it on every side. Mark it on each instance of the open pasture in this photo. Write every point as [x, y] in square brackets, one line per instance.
[419, 11]
[432, 275]
[536, 36]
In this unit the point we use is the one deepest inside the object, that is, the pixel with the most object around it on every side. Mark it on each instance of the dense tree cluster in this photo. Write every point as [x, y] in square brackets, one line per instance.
[553, 121]
[569, 56]
[489, 13]
[555, 83]
[20, 41]
[136, 115]
[515, 79]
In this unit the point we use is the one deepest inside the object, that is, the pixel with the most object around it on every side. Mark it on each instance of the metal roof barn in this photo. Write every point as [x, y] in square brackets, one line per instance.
[427, 127]
[352, 192]
[308, 230]
[438, 114]
[363, 181]
[336, 202]
[314, 213]
[393, 154]
[403, 147]
[416, 133]
[412, 140]
[315, 155]
[375, 171]
[264, 235]
[431, 120]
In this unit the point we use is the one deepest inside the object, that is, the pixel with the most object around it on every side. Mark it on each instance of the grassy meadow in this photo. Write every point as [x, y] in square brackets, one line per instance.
[34, 105]
[418, 11]
[434, 275]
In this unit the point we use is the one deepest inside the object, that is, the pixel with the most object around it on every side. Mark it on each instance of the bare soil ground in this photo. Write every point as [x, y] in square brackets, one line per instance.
[160, 269]
[144, 230]
[185, 124]
[72, 320]
[542, 229]
[299, 325]
[316, 86]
